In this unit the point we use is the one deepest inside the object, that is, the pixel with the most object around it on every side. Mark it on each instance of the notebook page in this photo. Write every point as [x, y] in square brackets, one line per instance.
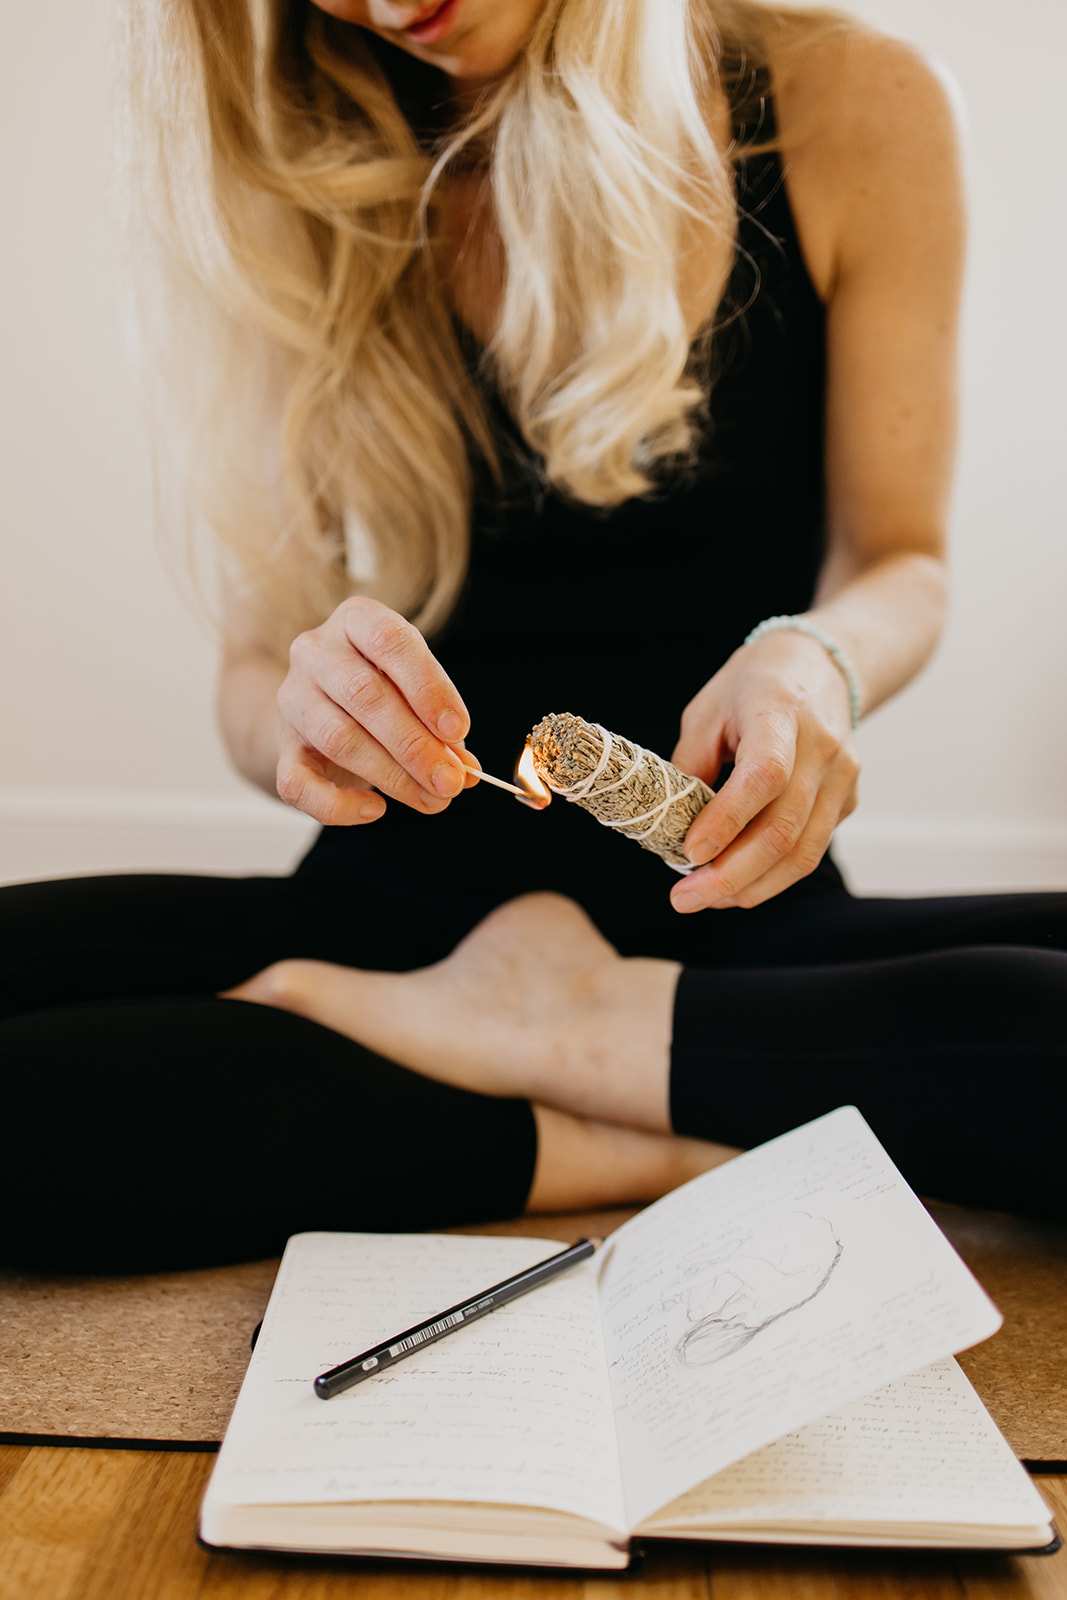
[767, 1293]
[920, 1450]
[514, 1409]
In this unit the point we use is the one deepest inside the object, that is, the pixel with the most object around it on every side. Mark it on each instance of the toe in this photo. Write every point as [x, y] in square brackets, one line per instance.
[283, 984]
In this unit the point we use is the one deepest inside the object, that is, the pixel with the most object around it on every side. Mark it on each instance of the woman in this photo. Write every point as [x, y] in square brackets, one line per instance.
[600, 335]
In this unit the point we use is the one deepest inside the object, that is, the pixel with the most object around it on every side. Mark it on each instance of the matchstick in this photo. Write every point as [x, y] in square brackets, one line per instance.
[498, 783]
[536, 802]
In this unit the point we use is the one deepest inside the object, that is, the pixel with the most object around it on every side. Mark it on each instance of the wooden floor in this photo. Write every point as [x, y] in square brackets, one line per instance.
[121, 1525]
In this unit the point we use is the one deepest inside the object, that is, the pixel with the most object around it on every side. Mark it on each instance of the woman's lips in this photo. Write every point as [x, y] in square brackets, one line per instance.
[435, 25]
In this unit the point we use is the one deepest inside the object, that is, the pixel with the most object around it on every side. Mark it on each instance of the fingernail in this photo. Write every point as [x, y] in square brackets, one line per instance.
[686, 900]
[699, 854]
[371, 811]
[447, 780]
[451, 726]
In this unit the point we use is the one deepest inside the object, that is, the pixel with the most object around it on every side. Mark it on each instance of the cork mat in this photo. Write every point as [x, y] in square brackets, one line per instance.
[158, 1360]
[1021, 1373]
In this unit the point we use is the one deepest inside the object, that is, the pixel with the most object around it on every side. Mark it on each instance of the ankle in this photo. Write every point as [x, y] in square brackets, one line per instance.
[583, 1163]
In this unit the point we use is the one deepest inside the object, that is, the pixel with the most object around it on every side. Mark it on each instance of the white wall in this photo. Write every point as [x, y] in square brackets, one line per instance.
[965, 775]
[108, 755]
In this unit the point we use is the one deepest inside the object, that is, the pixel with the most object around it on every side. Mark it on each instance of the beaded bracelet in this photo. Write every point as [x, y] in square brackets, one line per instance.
[831, 646]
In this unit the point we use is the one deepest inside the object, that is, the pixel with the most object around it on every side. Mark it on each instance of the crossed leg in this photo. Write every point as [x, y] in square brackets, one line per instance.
[533, 1003]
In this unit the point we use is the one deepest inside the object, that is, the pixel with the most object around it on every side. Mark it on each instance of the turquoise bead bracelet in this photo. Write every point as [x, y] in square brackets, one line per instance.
[831, 646]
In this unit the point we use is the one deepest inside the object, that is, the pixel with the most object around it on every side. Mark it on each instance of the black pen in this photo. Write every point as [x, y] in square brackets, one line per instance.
[412, 1339]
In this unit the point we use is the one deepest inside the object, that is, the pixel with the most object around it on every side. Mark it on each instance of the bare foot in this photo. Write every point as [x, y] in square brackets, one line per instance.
[533, 1003]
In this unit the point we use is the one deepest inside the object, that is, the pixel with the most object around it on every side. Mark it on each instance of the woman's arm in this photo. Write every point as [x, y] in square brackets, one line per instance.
[874, 180]
[247, 701]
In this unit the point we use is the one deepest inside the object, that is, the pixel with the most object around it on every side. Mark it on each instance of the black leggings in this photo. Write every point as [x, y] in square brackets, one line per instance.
[149, 1125]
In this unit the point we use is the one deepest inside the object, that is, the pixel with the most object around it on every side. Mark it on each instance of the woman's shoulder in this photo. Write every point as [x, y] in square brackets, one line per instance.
[842, 78]
[869, 130]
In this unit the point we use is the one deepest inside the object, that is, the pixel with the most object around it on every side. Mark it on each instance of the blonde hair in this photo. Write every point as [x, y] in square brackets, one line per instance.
[285, 211]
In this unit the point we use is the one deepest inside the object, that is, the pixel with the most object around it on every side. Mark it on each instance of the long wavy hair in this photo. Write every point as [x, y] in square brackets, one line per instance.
[284, 176]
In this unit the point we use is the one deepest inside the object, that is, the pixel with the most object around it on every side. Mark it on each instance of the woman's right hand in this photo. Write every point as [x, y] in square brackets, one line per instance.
[366, 707]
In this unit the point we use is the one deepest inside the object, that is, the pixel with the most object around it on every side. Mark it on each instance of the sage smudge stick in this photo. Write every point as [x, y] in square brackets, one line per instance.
[621, 784]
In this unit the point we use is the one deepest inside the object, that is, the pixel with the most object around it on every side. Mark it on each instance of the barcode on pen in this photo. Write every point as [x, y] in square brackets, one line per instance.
[426, 1333]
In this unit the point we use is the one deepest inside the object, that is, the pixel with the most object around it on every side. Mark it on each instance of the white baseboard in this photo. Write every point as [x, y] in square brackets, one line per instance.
[48, 833]
[51, 833]
[880, 856]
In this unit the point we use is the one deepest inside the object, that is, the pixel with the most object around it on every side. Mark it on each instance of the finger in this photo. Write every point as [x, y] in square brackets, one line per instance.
[852, 800]
[701, 750]
[302, 784]
[763, 769]
[398, 649]
[769, 839]
[346, 734]
[371, 701]
[800, 863]
[832, 804]
[330, 744]
[472, 764]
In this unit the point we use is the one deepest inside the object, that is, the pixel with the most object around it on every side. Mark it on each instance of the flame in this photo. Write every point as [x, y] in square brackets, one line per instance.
[538, 795]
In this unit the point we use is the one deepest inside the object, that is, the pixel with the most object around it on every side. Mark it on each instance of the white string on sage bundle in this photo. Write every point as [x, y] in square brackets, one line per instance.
[620, 783]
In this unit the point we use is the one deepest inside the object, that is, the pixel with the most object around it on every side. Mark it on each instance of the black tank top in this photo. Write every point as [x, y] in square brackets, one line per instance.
[623, 615]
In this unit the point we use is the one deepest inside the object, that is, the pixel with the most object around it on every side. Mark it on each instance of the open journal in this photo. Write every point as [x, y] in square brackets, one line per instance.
[764, 1354]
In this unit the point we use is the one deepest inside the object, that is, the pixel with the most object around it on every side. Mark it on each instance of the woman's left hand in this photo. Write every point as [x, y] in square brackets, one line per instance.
[779, 710]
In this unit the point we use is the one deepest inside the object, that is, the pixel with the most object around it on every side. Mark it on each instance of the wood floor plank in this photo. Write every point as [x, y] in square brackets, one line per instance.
[496, 1584]
[11, 1458]
[121, 1525]
[1054, 1488]
[1013, 1578]
[50, 1513]
[147, 1549]
[666, 1572]
[899, 1575]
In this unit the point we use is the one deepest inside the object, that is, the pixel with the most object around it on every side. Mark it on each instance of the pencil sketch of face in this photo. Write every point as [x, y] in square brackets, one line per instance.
[726, 1301]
